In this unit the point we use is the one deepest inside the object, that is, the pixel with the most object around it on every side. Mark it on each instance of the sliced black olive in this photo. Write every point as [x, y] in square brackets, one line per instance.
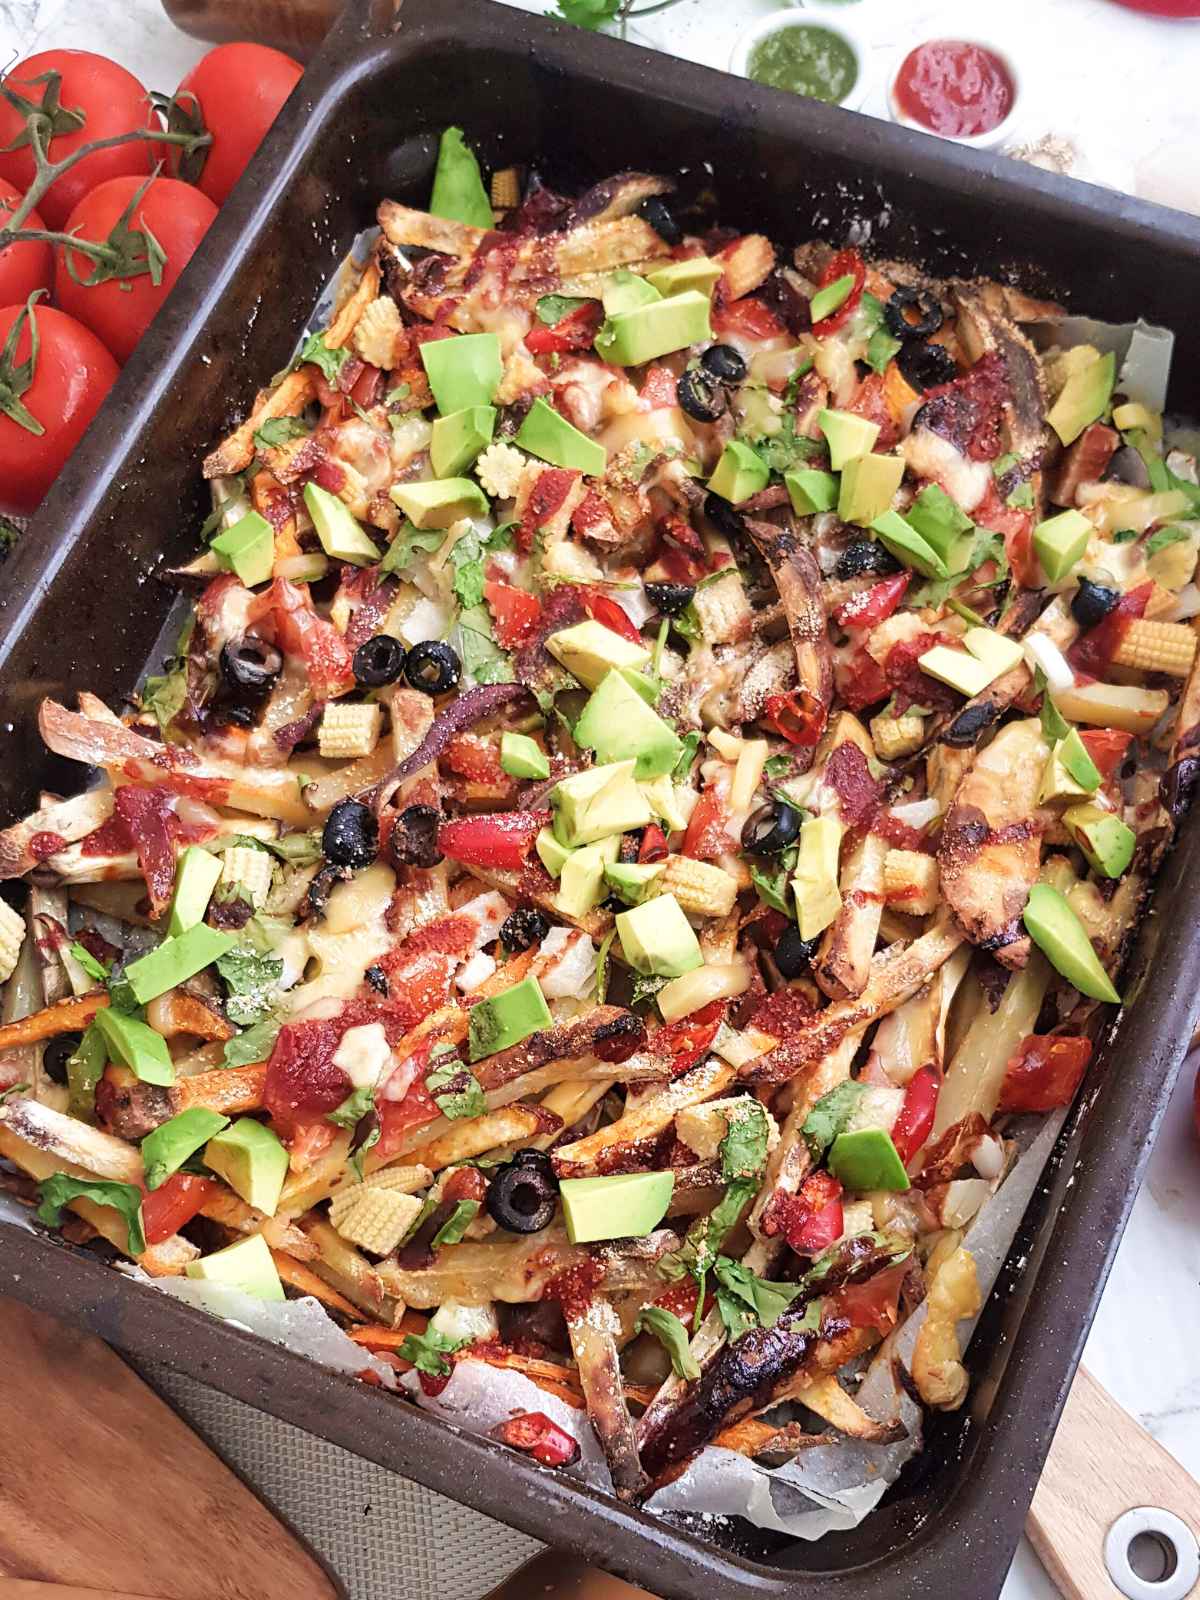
[655, 212]
[1092, 602]
[377, 978]
[701, 395]
[413, 839]
[724, 363]
[771, 828]
[723, 516]
[925, 366]
[58, 1052]
[523, 928]
[523, 1194]
[351, 835]
[863, 556]
[793, 954]
[250, 664]
[929, 316]
[378, 661]
[432, 667]
[670, 598]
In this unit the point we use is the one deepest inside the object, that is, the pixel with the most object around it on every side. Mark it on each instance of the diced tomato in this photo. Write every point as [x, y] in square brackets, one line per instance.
[149, 821]
[609, 614]
[654, 844]
[748, 317]
[658, 389]
[502, 839]
[706, 836]
[575, 331]
[397, 1116]
[1093, 653]
[303, 1082]
[473, 756]
[173, 1204]
[859, 794]
[817, 1220]
[1016, 526]
[874, 604]
[838, 265]
[797, 716]
[915, 1122]
[533, 1433]
[1107, 748]
[305, 636]
[1045, 1072]
[308, 1141]
[910, 685]
[861, 681]
[872, 1304]
[546, 498]
[870, 402]
[682, 1043]
[515, 613]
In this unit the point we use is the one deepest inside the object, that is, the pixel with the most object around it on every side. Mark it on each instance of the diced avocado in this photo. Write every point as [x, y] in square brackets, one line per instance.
[646, 687]
[664, 802]
[867, 1160]
[176, 959]
[847, 436]
[551, 853]
[523, 757]
[195, 879]
[829, 298]
[458, 439]
[627, 1206]
[507, 1018]
[625, 291]
[1084, 398]
[252, 1161]
[439, 503]
[1063, 940]
[1059, 542]
[581, 882]
[961, 671]
[167, 1147]
[697, 272]
[868, 484]
[249, 548]
[907, 545]
[463, 371]
[1133, 415]
[1070, 773]
[609, 848]
[740, 473]
[340, 534]
[589, 651]
[1077, 759]
[246, 1266]
[458, 191]
[657, 939]
[608, 802]
[550, 437]
[136, 1045]
[618, 725]
[938, 520]
[1105, 840]
[997, 652]
[811, 490]
[631, 338]
[634, 881]
[815, 883]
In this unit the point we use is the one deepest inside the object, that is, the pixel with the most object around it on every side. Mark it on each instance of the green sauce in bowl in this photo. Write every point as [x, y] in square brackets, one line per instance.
[808, 60]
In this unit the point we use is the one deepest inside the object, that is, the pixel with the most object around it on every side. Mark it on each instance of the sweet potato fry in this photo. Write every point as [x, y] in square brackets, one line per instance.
[65, 1016]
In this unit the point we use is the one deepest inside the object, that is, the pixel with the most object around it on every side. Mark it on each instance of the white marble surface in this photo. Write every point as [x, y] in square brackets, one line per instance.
[1122, 88]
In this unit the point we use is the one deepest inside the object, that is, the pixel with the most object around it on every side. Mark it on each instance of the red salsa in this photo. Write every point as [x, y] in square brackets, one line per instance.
[954, 88]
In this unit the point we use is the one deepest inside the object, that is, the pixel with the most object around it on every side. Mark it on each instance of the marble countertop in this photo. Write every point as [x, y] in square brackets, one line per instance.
[1120, 89]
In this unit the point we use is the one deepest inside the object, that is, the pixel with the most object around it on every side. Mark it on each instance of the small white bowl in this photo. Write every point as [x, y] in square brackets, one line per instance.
[852, 34]
[1000, 134]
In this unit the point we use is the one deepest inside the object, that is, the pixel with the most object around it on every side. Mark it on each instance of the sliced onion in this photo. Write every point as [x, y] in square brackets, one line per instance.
[1187, 605]
[1045, 653]
[723, 980]
[634, 604]
[917, 814]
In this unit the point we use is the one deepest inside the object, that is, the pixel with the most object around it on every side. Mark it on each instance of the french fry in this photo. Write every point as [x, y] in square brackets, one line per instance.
[65, 1016]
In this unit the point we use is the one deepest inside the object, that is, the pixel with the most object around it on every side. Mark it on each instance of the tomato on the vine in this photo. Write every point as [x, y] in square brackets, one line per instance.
[94, 98]
[52, 381]
[236, 92]
[28, 264]
[172, 215]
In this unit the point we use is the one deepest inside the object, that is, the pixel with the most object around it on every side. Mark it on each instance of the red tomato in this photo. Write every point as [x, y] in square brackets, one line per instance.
[514, 613]
[533, 1433]
[654, 844]
[846, 263]
[861, 681]
[659, 389]
[166, 1209]
[1094, 651]
[502, 839]
[815, 1219]
[797, 716]
[28, 265]
[609, 614]
[575, 331]
[874, 604]
[682, 1043]
[396, 1117]
[111, 101]
[1107, 748]
[706, 836]
[872, 1304]
[1045, 1072]
[121, 309]
[915, 1122]
[749, 317]
[71, 376]
[239, 90]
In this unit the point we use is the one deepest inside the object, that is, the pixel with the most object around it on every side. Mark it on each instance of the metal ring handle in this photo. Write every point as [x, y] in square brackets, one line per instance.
[1174, 1535]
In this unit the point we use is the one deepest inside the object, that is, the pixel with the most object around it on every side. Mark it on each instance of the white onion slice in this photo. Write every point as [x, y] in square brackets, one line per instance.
[722, 980]
[1044, 653]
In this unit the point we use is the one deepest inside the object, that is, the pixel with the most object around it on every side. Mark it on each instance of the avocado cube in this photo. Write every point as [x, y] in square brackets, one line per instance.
[816, 878]
[646, 687]
[252, 1161]
[867, 1159]
[463, 371]
[249, 548]
[1105, 840]
[1084, 398]
[167, 1147]
[551, 853]
[246, 1266]
[627, 1206]
[581, 882]
[634, 881]
[440, 503]
[589, 651]
[657, 940]
[507, 1018]
[938, 520]
[341, 536]
[664, 802]
[998, 653]
[458, 439]
[907, 545]
[1063, 940]
[811, 490]
[740, 473]
[957, 668]
[195, 879]
[522, 757]
[830, 298]
[588, 806]
[1070, 773]
[177, 958]
[697, 272]
[847, 435]
[550, 437]
[1060, 542]
[868, 484]
[631, 338]
[137, 1046]
[618, 724]
[625, 291]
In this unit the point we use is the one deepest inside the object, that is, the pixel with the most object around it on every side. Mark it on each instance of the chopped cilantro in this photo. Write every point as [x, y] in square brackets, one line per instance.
[330, 362]
[428, 1351]
[830, 1115]
[1166, 536]
[398, 556]
[251, 1045]
[672, 1335]
[743, 1150]
[552, 308]
[459, 1220]
[278, 430]
[456, 1090]
[353, 1108]
[251, 980]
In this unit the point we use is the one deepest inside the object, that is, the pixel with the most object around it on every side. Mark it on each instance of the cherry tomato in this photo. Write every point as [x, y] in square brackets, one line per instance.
[748, 317]
[575, 331]
[70, 377]
[110, 101]
[681, 1044]
[872, 1304]
[25, 266]
[706, 835]
[659, 389]
[515, 613]
[816, 1219]
[654, 844]
[797, 716]
[846, 263]
[166, 1209]
[874, 604]
[609, 614]
[120, 309]
[1107, 748]
[502, 839]
[861, 681]
[237, 90]
[915, 1122]
[1045, 1072]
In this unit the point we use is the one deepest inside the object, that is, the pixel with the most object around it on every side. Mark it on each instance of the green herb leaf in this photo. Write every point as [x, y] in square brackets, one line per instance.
[1021, 497]
[408, 541]
[882, 344]
[691, 743]
[743, 1150]
[772, 888]
[394, 396]
[482, 657]
[456, 1090]
[750, 1298]
[428, 1351]
[1124, 536]
[644, 989]
[458, 191]
[1166, 536]
[93, 968]
[251, 980]
[1003, 464]
[252, 1045]
[786, 449]
[279, 430]
[552, 308]
[590, 14]
[459, 1220]
[85, 1068]
[672, 1335]
[57, 1191]
[1054, 725]
[353, 1108]
[168, 1146]
[330, 362]
[830, 1115]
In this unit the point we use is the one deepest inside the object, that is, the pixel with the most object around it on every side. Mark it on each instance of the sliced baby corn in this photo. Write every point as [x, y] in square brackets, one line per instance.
[701, 889]
[249, 868]
[374, 1219]
[348, 732]
[376, 332]
[1157, 647]
[910, 882]
[505, 189]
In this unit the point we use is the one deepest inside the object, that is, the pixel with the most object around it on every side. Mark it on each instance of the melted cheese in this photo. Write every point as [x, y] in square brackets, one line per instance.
[364, 1055]
[364, 898]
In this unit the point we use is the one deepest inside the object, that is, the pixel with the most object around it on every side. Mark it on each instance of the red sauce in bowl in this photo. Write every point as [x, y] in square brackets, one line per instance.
[954, 88]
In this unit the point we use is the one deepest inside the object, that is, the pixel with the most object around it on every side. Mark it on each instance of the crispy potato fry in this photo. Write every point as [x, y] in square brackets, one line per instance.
[71, 1015]
[937, 1368]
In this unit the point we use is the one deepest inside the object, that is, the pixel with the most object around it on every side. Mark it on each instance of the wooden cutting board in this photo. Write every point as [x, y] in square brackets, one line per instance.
[106, 1494]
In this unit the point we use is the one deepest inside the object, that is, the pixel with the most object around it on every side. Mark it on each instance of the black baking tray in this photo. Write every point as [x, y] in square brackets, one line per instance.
[82, 607]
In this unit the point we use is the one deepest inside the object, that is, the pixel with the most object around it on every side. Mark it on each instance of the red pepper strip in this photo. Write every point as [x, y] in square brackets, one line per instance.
[1045, 1072]
[682, 1043]
[499, 840]
[748, 317]
[654, 844]
[915, 1122]
[872, 1304]
[874, 604]
[1093, 653]
[817, 1219]
[706, 836]
[166, 1209]
[798, 716]
[536, 1435]
[608, 613]
[575, 331]
[1107, 748]
[515, 613]
[845, 261]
